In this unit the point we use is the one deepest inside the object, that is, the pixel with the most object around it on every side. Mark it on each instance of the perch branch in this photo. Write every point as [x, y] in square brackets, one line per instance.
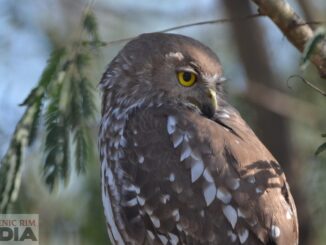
[295, 29]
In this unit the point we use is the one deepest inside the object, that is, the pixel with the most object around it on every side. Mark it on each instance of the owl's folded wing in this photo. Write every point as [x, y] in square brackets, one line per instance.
[190, 180]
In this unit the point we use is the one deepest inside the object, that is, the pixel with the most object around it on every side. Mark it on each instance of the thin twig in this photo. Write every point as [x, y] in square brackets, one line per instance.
[117, 41]
[306, 82]
[216, 21]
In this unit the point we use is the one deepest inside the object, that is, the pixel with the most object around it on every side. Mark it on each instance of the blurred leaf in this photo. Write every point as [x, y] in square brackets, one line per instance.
[71, 107]
[320, 149]
[81, 150]
[46, 77]
[56, 163]
[31, 97]
[81, 60]
[86, 91]
[82, 110]
[53, 66]
[35, 121]
[319, 35]
[12, 160]
[75, 117]
[90, 25]
[69, 99]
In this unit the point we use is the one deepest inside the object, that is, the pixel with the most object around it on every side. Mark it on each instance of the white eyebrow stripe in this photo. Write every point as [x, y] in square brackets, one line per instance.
[176, 55]
[209, 77]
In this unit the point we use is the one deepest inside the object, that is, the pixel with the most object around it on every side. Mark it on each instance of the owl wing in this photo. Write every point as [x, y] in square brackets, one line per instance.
[191, 180]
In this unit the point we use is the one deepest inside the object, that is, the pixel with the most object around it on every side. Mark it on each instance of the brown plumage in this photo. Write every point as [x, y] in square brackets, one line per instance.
[179, 165]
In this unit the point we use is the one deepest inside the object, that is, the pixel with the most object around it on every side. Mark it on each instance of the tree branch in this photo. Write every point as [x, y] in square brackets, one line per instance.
[295, 29]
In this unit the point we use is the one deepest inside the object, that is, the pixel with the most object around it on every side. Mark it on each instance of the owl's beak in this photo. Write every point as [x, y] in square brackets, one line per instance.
[209, 108]
[205, 101]
[212, 96]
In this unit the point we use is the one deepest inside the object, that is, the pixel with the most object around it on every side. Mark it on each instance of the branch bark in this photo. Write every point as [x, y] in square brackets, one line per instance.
[308, 10]
[295, 29]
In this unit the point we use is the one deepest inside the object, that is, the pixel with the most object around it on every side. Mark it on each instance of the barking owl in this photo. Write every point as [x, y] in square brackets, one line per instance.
[178, 163]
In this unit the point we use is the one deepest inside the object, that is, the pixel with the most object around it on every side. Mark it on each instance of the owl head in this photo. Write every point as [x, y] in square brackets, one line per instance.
[169, 67]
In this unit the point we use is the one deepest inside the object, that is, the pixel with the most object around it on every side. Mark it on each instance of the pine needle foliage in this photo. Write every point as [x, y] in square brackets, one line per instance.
[64, 98]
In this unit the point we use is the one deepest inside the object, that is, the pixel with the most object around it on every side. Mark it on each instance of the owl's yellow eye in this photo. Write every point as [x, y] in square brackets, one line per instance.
[186, 78]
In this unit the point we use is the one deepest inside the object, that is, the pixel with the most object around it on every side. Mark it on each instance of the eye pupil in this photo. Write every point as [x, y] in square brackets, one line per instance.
[187, 76]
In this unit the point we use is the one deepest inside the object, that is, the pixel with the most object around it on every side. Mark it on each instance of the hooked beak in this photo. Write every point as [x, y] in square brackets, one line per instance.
[209, 108]
[206, 101]
[212, 96]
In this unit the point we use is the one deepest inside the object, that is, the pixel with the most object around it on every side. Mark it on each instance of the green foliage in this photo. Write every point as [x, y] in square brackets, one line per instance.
[10, 167]
[24, 134]
[319, 35]
[35, 121]
[64, 97]
[47, 76]
[56, 148]
[90, 25]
